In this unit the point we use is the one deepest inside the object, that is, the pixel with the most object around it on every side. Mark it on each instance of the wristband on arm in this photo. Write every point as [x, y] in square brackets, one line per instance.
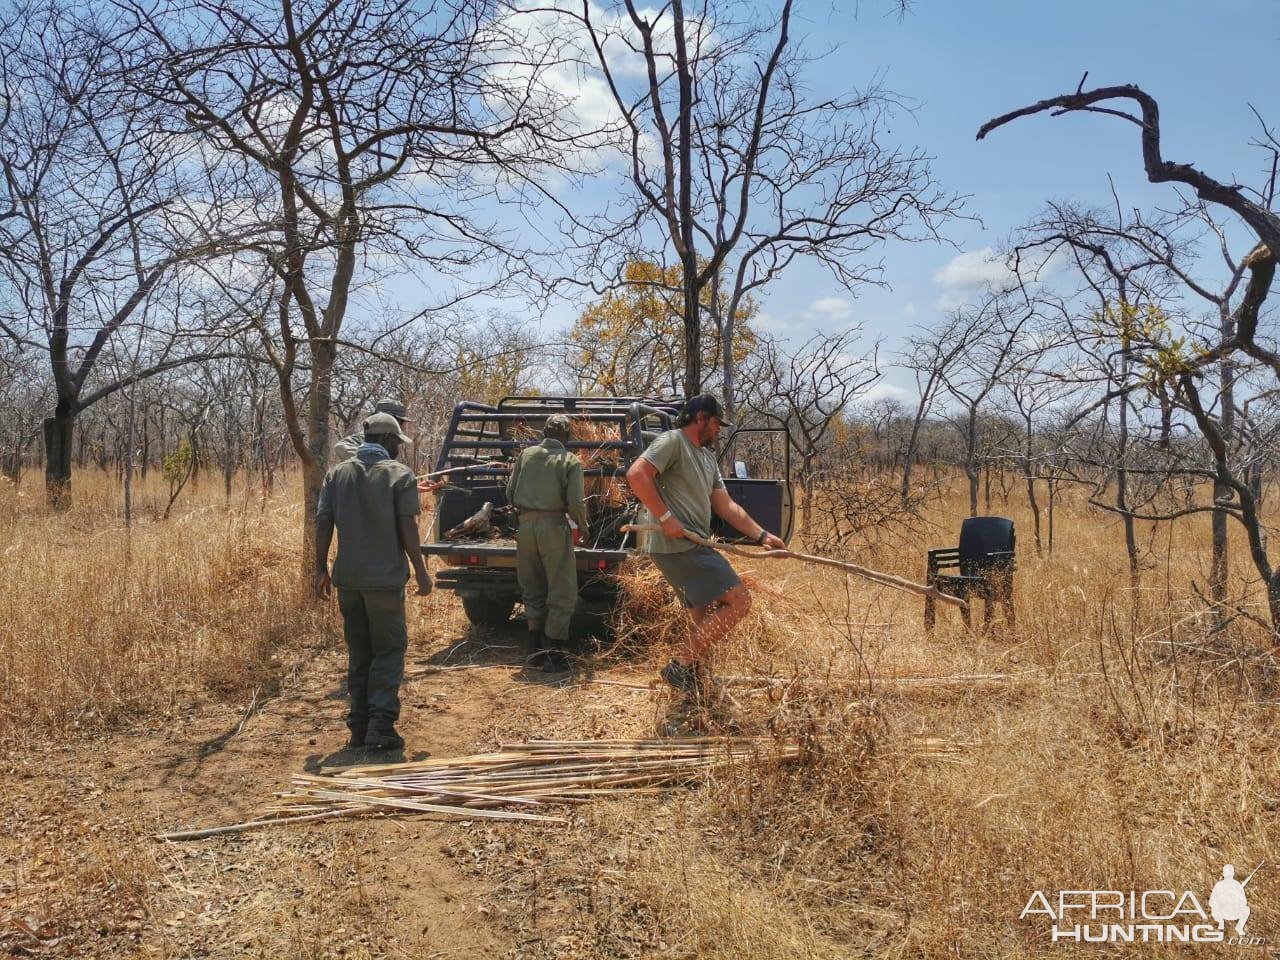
[760, 539]
[665, 517]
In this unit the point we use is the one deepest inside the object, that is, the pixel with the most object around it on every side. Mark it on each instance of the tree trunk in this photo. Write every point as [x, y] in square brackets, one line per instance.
[316, 463]
[228, 450]
[692, 332]
[1218, 568]
[1053, 491]
[971, 461]
[1273, 605]
[128, 456]
[58, 436]
[1031, 484]
[1122, 475]
[145, 457]
[726, 359]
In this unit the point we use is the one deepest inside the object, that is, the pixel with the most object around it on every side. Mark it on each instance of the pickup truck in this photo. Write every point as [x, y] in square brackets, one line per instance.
[481, 442]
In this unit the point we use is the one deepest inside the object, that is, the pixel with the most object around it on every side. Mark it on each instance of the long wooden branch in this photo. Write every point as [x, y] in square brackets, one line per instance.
[886, 579]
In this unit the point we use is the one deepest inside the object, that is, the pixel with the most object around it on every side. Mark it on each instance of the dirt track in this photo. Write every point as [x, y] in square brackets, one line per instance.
[90, 880]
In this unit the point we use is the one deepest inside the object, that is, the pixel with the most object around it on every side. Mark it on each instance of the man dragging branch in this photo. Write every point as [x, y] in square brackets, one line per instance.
[678, 482]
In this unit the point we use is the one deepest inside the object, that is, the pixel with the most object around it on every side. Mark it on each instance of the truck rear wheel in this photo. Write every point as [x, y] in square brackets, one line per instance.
[488, 611]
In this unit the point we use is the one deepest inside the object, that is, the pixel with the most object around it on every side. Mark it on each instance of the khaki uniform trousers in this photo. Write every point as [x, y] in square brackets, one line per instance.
[548, 573]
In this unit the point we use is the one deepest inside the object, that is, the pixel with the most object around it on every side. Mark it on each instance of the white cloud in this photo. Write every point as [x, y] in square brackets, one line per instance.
[880, 390]
[973, 270]
[952, 301]
[909, 310]
[830, 308]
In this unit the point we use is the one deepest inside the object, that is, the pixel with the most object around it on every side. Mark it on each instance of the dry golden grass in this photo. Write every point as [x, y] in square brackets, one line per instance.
[100, 624]
[1137, 752]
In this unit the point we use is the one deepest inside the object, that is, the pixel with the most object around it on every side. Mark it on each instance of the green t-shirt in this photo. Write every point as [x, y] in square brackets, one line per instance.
[365, 498]
[687, 475]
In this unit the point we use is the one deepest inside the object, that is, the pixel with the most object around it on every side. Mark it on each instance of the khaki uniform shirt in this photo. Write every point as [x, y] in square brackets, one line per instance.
[687, 475]
[346, 448]
[549, 477]
[365, 496]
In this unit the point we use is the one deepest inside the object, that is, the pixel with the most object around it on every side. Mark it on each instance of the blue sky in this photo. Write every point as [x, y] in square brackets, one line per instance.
[965, 62]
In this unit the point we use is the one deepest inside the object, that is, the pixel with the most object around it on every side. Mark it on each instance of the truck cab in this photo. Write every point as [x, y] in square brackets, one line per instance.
[608, 433]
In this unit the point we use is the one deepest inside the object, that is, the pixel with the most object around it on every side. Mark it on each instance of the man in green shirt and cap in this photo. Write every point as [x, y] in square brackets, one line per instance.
[346, 448]
[372, 500]
[678, 482]
[545, 485]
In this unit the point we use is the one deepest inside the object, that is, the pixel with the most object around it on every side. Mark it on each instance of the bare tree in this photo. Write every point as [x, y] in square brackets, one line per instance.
[357, 128]
[809, 391]
[101, 213]
[741, 168]
[1177, 370]
[930, 355]
[991, 333]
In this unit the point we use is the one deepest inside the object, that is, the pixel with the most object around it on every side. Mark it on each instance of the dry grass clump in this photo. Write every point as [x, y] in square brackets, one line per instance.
[100, 624]
[604, 493]
[650, 619]
[1137, 749]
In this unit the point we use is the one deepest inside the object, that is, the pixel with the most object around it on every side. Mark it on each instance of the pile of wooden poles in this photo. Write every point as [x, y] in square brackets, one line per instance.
[517, 782]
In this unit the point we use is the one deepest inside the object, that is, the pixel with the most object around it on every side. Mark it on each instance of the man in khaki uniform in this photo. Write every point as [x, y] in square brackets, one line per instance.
[545, 484]
[346, 448]
[372, 499]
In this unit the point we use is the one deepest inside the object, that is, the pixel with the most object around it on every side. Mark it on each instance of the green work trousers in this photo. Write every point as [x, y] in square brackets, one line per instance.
[374, 628]
[548, 574]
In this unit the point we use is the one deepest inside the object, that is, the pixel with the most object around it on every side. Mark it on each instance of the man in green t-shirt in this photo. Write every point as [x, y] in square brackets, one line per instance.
[677, 481]
[372, 500]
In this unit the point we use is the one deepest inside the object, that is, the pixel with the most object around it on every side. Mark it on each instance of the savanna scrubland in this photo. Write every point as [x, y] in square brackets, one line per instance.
[171, 674]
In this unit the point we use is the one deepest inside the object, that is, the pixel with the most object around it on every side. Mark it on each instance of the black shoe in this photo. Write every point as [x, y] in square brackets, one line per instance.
[356, 740]
[553, 661]
[683, 678]
[384, 740]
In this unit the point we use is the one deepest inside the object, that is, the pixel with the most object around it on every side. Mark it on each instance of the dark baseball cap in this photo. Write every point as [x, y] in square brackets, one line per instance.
[557, 424]
[384, 424]
[703, 403]
[393, 407]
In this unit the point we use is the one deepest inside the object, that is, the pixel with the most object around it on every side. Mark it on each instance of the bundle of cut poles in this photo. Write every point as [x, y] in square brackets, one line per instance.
[517, 782]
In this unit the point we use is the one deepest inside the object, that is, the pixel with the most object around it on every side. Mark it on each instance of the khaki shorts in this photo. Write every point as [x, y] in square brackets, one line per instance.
[700, 576]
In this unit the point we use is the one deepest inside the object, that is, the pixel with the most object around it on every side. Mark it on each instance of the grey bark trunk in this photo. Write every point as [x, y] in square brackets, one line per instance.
[58, 436]
[1218, 564]
[971, 460]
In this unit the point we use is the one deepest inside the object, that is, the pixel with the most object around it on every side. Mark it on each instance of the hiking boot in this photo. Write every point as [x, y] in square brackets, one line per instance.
[384, 740]
[356, 740]
[533, 645]
[553, 661]
[681, 677]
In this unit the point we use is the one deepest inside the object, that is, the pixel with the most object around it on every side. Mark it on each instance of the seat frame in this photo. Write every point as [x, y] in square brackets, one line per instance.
[989, 578]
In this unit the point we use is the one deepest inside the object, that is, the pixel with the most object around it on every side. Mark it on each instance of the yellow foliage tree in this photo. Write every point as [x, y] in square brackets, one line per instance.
[630, 342]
